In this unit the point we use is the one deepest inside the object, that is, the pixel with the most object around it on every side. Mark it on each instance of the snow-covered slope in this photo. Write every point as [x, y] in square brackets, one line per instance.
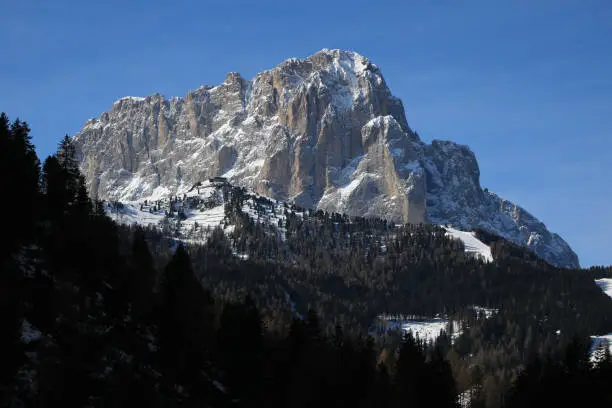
[596, 346]
[192, 216]
[324, 132]
[426, 328]
[472, 244]
[605, 284]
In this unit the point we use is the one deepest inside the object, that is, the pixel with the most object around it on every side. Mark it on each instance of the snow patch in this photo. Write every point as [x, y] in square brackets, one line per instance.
[597, 341]
[472, 244]
[605, 284]
[131, 98]
[425, 329]
[347, 190]
[488, 312]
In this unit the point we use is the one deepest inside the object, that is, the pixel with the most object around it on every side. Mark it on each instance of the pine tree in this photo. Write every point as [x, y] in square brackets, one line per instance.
[443, 392]
[142, 277]
[66, 155]
[64, 185]
[21, 167]
[54, 188]
[383, 391]
[186, 332]
[240, 349]
[11, 318]
[410, 373]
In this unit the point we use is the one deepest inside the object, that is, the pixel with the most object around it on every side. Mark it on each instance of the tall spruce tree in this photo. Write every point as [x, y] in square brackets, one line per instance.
[142, 277]
[240, 350]
[186, 326]
[411, 374]
[20, 167]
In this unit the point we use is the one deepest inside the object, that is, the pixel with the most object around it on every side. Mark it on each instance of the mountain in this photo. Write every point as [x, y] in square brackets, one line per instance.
[323, 132]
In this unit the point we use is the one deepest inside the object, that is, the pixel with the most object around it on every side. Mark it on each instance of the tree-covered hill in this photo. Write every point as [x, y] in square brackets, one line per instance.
[94, 313]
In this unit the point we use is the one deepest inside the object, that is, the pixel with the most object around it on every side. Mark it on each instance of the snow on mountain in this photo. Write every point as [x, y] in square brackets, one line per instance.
[192, 216]
[472, 244]
[323, 132]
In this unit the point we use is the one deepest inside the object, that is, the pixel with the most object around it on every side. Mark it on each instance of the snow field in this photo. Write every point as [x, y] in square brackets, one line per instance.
[472, 244]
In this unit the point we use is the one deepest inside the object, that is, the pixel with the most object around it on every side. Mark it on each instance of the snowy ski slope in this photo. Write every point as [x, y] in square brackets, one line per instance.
[472, 244]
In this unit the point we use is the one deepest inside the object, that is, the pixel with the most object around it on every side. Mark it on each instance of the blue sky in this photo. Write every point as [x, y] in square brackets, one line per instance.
[526, 84]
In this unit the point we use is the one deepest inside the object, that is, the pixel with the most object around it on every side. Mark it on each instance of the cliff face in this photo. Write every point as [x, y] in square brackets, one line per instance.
[325, 132]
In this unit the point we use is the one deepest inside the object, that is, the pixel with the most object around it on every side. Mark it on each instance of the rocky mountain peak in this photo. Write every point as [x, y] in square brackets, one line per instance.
[324, 132]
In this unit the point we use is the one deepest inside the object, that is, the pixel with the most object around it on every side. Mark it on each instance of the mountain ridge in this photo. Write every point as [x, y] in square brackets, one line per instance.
[324, 132]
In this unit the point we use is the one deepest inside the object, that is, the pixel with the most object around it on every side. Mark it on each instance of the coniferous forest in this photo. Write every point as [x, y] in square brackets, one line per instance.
[97, 314]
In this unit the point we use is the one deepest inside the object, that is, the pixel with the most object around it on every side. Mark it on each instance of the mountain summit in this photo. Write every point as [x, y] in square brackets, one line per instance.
[324, 132]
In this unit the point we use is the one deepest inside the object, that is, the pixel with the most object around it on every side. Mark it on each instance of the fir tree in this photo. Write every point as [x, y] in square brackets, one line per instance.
[142, 277]
[240, 350]
[186, 326]
[410, 373]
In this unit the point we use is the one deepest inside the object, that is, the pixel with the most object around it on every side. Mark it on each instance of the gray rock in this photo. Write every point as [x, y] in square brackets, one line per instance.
[324, 132]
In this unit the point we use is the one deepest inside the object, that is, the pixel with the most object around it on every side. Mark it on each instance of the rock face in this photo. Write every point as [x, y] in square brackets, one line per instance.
[323, 132]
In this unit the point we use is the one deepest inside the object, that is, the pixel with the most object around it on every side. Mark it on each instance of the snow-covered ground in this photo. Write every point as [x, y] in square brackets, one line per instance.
[207, 218]
[472, 244]
[597, 341]
[203, 208]
[130, 214]
[426, 329]
[605, 284]
[488, 312]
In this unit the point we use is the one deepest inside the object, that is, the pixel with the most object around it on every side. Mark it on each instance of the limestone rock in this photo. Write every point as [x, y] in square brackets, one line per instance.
[324, 132]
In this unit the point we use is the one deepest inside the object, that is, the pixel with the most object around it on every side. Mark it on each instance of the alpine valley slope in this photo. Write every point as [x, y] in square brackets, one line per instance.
[324, 132]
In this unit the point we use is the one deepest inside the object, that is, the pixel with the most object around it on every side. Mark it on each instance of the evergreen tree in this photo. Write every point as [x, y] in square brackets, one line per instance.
[441, 384]
[21, 168]
[64, 185]
[186, 325]
[142, 277]
[11, 318]
[383, 390]
[240, 350]
[66, 155]
[54, 187]
[411, 374]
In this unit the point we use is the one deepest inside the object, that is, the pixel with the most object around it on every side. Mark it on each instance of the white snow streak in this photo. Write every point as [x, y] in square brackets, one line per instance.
[472, 244]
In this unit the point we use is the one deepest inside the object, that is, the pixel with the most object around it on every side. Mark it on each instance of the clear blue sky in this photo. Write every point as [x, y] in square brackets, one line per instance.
[526, 84]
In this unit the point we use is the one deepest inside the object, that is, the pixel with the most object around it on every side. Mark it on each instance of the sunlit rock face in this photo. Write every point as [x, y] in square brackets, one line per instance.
[324, 132]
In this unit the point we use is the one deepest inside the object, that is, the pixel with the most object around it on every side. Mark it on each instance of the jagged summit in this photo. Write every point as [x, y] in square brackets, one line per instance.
[323, 132]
